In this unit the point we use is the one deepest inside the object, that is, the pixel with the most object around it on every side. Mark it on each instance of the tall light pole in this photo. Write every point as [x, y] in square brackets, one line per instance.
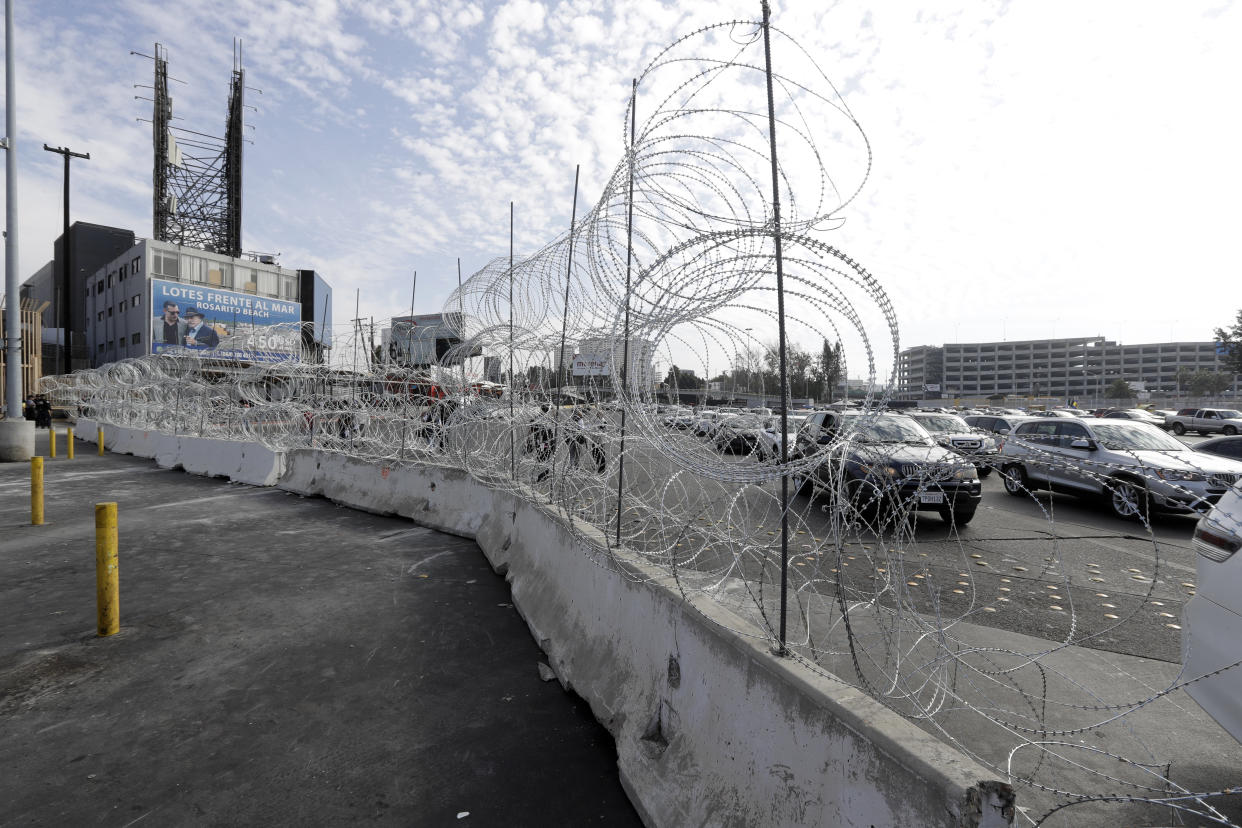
[17, 441]
[60, 310]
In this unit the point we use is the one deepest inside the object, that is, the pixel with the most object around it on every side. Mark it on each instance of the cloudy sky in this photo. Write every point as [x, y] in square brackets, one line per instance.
[1040, 168]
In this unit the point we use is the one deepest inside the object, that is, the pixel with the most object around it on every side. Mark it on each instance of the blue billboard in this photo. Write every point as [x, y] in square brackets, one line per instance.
[223, 324]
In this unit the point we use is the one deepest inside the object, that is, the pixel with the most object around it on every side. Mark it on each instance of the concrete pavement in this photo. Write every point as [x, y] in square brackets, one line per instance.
[281, 660]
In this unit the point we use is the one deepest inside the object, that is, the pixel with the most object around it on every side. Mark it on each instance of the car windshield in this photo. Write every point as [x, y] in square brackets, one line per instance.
[774, 423]
[943, 423]
[885, 429]
[746, 421]
[1134, 438]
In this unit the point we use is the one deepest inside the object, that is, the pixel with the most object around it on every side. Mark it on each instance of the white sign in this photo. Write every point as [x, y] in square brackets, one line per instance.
[591, 365]
[932, 387]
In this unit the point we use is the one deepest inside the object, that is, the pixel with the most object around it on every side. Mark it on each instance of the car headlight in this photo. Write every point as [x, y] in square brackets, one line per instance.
[1188, 476]
[967, 473]
[891, 471]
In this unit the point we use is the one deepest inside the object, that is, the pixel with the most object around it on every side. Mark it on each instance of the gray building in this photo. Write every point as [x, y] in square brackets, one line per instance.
[121, 298]
[1076, 368]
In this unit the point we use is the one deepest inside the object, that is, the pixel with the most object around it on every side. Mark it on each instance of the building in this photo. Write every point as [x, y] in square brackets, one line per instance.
[425, 339]
[125, 301]
[1075, 368]
[596, 357]
[64, 319]
[32, 342]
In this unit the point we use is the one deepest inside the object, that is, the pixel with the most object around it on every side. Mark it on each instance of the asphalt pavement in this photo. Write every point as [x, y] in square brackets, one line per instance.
[281, 660]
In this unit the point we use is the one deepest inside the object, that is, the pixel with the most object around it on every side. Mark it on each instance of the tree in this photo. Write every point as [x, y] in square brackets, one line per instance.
[1231, 341]
[1119, 390]
[1209, 383]
[684, 380]
[799, 370]
[828, 369]
[1184, 376]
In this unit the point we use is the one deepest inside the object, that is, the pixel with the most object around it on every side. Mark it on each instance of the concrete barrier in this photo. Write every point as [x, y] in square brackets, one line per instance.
[711, 728]
[241, 462]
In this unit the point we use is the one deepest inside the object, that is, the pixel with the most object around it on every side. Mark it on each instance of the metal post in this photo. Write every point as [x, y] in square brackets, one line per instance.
[12, 312]
[625, 353]
[780, 320]
[107, 589]
[69, 442]
[512, 425]
[61, 311]
[36, 491]
[101, 442]
[51, 436]
[569, 271]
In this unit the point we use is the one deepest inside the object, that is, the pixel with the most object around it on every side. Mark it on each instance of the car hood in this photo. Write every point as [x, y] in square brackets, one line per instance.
[1185, 461]
[903, 453]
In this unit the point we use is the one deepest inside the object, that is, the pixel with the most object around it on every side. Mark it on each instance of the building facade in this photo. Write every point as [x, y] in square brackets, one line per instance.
[124, 299]
[1077, 368]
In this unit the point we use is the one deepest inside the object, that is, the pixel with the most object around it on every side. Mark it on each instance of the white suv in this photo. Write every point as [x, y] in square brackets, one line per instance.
[1212, 620]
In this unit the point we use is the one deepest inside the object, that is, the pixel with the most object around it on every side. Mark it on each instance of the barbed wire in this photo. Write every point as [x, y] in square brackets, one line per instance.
[916, 618]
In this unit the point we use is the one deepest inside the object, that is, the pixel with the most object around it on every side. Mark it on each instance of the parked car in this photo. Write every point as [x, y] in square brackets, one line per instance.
[708, 422]
[996, 425]
[1139, 415]
[952, 432]
[739, 433]
[1205, 421]
[769, 447]
[1230, 446]
[1134, 466]
[1212, 619]
[886, 463]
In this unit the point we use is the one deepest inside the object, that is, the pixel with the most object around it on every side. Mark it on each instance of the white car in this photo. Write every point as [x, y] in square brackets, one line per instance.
[770, 438]
[1212, 619]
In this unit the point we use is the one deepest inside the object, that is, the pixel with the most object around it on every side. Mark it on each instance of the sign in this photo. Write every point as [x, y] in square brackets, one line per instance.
[592, 365]
[935, 386]
[223, 324]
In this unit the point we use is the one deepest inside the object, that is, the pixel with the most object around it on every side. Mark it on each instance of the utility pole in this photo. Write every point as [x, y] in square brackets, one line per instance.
[60, 307]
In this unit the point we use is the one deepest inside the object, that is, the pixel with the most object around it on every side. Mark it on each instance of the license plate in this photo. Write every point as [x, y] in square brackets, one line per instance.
[931, 497]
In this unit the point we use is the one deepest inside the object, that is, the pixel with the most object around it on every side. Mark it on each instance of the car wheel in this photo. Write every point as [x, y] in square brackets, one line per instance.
[959, 517]
[1016, 482]
[1127, 499]
[1179, 429]
[1230, 430]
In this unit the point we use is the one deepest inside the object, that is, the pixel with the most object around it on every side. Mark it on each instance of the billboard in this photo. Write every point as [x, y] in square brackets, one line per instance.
[223, 324]
[592, 365]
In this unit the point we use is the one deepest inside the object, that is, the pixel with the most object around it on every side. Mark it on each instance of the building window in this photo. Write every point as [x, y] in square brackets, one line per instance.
[136, 339]
[111, 344]
[101, 347]
[121, 277]
[100, 316]
[135, 267]
[99, 287]
[193, 269]
[109, 312]
[137, 300]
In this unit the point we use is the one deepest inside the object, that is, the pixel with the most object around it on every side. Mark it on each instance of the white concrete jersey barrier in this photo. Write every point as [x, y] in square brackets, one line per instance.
[711, 728]
[241, 462]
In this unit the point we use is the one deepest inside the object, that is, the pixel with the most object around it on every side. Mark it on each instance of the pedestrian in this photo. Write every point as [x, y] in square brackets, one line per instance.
[28, 407]
[43, 412]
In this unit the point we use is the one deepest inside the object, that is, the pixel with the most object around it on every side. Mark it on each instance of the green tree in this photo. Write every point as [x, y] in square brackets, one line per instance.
[1209, 383]
[1119, 390]
[1231, 339]
[828, 368]
[684, 380]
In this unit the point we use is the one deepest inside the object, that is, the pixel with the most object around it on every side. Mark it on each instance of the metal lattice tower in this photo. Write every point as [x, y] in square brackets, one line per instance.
[197, 178]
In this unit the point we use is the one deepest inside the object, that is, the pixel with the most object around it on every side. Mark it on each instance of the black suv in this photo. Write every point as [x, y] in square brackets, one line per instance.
[886, 462]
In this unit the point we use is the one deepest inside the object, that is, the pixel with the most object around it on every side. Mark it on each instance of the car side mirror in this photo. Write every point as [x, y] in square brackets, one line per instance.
[1002, 431]
[1084, 444]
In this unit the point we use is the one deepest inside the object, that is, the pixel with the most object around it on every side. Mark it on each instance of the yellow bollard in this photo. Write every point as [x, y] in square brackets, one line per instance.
[36, 491]
[51, 435]
[107, 589]
[69, 441]
[100, 441]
